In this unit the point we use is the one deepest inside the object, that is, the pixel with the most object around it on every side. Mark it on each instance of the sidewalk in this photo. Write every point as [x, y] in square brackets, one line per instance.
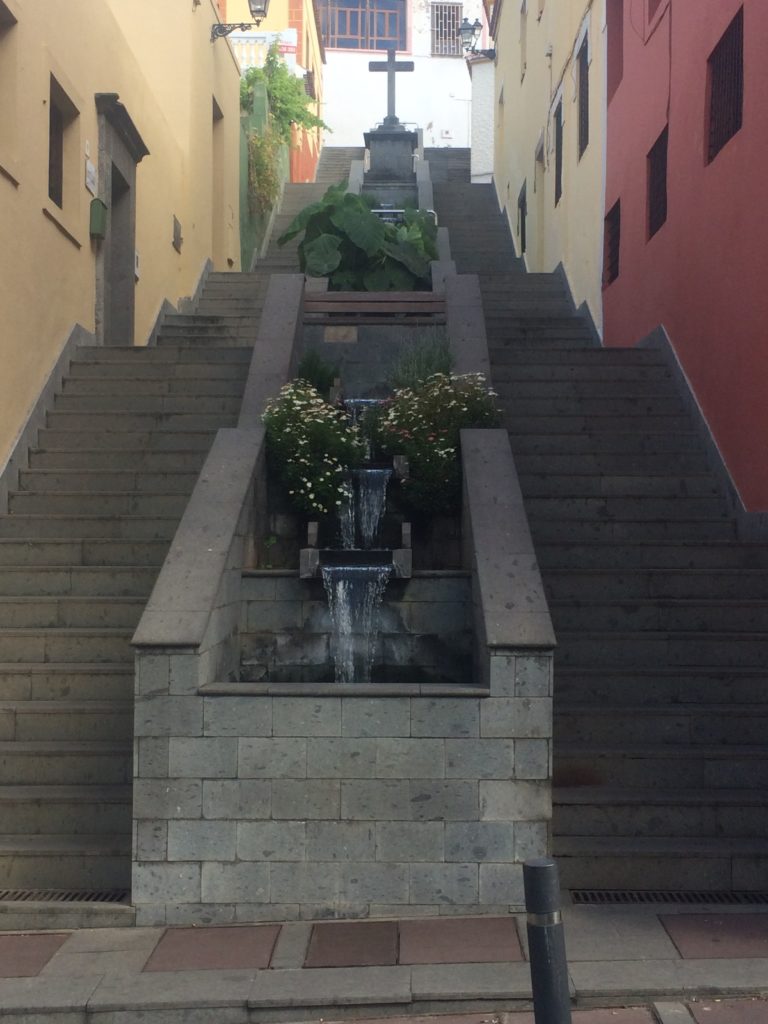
[671, 966]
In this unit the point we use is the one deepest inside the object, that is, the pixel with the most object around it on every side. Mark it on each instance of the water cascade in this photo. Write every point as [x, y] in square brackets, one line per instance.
[354, 595]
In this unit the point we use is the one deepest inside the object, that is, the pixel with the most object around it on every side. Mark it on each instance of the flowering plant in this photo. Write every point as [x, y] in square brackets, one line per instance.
[311, 445]
[423, 423]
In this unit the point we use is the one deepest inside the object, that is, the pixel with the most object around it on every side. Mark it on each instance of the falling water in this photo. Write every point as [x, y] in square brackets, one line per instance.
[361, 515]
[354, 596]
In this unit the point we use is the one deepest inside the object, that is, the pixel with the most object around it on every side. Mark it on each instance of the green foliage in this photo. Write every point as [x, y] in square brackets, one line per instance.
[310, 446]
[264, 177]
[317, 371]
[424, 353]
[289, 103]
[347, 243]
[423, 423]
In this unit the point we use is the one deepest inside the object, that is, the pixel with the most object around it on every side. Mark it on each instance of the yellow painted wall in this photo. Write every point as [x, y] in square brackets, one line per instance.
[545, 38]
[160, 61]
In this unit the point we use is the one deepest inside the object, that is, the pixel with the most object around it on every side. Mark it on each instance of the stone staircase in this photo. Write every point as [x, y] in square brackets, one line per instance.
[335, 163]
[283, 259]
[661, 613]
[85, 534]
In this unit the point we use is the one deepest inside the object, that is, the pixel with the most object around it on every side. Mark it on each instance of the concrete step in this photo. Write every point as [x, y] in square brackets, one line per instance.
[66, 645]
[158, 405]
[505, 380]
[66, 810]
[595, 422]
[97, 481]
[65, 763]
[26, 915]
[626, 530]
[637, 507]
[31, 720]
[577, 485]
[167, 355]
[624, 584]
[143, 538]
[157, 371]
[103, 460]
[641, 615]
[609, 811]
[130, 423]
[63, 681]
[575, 359]
[670, 685]
[118, 387]
[607, 405]
[510, 363]
[65, 862]
[628, 464]
[207, 342]
[70, 612]
[665, 863]
[670, 555]
[118, 440]
[663, 766]
[679, 725]
[585, 444]
[662, 649]
[107, 503]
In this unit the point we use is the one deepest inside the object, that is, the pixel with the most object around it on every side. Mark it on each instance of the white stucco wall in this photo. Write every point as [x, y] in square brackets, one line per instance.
[436, 96]
[481, 165]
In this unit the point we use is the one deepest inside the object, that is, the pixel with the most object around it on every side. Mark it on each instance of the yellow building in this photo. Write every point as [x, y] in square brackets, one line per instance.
[550, 135]
[119, 143]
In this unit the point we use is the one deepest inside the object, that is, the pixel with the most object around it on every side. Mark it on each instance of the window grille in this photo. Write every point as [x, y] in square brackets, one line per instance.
[309, 85]
[583, 65]
[558, 152]
[611, 243]
[446, 19]
[726, 86]
[363, 24]
[657, 183]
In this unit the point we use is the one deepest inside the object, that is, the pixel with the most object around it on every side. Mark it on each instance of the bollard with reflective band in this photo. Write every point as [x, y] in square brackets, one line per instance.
[546, 943]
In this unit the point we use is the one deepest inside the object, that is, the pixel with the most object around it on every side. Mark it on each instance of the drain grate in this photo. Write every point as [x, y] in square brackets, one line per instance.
[690, 897]
[65, 895]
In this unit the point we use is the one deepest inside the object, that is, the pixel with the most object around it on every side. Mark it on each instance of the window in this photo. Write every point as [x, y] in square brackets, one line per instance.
[614, 18]
[8, 80]
[360, 25]
[61, 115]
[657, 183]
[611, 243]
[583, 78]
[446, 19]
[523, 38]
[558, 152]
[726, 86]
[522, 213]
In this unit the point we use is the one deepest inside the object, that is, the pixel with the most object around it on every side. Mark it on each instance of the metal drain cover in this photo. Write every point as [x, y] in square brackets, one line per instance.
[65, 895]
[639, 897]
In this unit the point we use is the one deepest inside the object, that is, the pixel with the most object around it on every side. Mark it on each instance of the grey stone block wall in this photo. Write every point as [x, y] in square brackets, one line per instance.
[270, 807]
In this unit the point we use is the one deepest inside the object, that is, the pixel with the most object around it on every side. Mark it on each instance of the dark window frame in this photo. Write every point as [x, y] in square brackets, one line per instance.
[61, 114]
[612, 244]
[558, 151]
[583, 100]
[725, 87]
[657, 183]
[522, 215]
[364, 24]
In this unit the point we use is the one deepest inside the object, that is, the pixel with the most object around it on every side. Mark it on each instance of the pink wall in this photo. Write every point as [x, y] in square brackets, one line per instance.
[703, 275]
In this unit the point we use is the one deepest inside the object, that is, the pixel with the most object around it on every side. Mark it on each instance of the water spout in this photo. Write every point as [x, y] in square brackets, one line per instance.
[354, 597]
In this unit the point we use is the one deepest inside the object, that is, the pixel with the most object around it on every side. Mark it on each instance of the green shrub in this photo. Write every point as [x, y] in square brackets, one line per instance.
[426, 352]
[317, 371]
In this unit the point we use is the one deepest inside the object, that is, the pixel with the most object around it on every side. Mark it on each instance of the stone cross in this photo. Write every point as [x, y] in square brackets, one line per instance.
[391, 66]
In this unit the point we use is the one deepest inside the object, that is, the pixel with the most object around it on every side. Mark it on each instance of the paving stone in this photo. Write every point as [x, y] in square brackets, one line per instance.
[291, 947]
[221, 948]
[331, 987]
[353, 944]
[615, 933]
[28, 997]
[471, 981]
[672, 1013]
[645, 979]
[122, 961]
[718, 935]
[110, 940]
[169, 989]
[460, 940]
[24, 956]
[728, 1011]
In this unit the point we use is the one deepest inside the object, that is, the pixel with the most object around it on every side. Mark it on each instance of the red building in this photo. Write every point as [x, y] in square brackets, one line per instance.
[687, 207]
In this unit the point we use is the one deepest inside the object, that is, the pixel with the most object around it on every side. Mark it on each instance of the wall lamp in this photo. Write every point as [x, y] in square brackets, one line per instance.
[469, 34]
[258, 9]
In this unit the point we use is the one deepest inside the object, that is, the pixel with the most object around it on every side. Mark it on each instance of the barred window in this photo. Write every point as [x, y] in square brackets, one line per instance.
[726, 86]
[611, 243]
[446, 20]
[657, 183]
[363, 25]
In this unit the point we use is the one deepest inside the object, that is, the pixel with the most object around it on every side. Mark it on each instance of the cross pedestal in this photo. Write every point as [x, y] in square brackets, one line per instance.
[390, 145]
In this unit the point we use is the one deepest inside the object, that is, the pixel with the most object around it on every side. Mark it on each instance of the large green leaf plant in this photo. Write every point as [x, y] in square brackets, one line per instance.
[357, 251]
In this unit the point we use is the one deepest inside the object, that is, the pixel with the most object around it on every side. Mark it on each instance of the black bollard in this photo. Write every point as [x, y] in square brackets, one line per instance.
[546, 942]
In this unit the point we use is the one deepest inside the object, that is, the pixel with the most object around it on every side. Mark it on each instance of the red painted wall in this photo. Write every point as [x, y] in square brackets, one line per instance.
[704, 274]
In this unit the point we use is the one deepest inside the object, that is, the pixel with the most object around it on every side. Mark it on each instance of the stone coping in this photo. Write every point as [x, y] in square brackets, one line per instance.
[367, 690]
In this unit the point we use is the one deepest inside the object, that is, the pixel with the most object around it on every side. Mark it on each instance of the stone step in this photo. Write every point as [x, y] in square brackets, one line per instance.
[65, 810]
[117, 387]
[538, 340]
[509, 363]
[167, 355]
[538, 423]
[629, 464]
[126, 459]
[609, 811]
[33, 720]
[25, 915]
[107, 503]
[64, 681]
[65, 862]
[158, 405]
[66, 645]
[623, 584]
[575, 486]
[693, 863]
[506, 382]
[130, 423]
[243, 332]
[587, 445]
[672, 555]
[143, 540]
[619, 687]
[612, 405]
[208, 344]
[117, 440]
[641, 615]
[677, 766]
[70, 612]
[65, 763]
[571, 358]
[629, 529]
[662, 649]
[636, 507]
[155, 371]
[690, 724]
[101, 480]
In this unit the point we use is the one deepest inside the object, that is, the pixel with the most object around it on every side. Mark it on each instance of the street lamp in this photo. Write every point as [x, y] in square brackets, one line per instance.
[258, 9]
[469, 34]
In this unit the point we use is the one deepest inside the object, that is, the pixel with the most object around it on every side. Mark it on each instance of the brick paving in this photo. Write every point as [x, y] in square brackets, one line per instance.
[718, 936]
[195, 949]
[24, 956]
[730, 1011]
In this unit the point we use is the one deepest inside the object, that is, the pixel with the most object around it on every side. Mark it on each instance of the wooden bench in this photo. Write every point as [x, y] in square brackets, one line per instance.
[374, 308]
